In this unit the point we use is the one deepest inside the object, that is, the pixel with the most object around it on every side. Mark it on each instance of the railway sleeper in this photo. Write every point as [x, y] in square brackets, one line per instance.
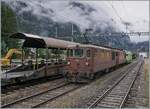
[106, 105]
[131, 101]
[111, 100]
[109, 103]
[114, 96]
[129, 105]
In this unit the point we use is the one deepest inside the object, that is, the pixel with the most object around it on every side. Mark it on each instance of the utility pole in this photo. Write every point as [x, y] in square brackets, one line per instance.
[72, 30]
[56, 32]
[126, 25]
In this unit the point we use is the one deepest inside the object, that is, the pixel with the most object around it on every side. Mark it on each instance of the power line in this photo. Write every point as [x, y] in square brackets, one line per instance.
[124, 7]
[116, 12]
[122, 21]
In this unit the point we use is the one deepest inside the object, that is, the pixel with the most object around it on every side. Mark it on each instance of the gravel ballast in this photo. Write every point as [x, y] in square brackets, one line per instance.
[81, 97]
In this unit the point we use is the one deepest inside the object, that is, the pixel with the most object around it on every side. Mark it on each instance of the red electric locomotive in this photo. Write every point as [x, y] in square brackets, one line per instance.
[85, 60]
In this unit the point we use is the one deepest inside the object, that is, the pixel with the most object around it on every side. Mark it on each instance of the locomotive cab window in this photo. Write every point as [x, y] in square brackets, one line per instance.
[78, 52]
[75, 53]
[70, 52]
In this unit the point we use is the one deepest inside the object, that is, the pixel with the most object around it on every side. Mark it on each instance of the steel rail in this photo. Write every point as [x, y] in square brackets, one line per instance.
[108, 90]
[36, 94]
[55, 97]
[125, 97]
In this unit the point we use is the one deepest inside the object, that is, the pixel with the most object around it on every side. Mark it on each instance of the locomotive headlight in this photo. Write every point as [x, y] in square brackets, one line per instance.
[77, 60]
[86, 63]
[68, 63]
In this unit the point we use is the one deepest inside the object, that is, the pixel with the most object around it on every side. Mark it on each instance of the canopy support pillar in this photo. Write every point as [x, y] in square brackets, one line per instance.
[36, 58]
[22, 59]
[47, 53]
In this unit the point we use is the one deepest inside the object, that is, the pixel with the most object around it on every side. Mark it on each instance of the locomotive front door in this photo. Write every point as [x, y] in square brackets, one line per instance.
[117, 58]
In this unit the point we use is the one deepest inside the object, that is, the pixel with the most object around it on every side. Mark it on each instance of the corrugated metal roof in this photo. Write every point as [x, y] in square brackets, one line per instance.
[36, 41]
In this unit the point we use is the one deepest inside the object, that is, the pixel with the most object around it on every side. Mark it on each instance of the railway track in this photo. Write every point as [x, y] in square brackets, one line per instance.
[116, 95]
[14, 95]
[16, 86]
[37, 99]
[23, 92]
[137, 97]
[42, 97]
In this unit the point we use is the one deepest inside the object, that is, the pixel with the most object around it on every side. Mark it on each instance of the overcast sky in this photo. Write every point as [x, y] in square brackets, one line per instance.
[108, 13]
[135, 12]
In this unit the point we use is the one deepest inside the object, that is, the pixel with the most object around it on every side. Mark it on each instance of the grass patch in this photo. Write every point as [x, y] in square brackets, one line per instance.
[146, 77]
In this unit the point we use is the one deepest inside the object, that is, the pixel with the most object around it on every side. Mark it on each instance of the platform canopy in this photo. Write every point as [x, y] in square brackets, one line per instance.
[35, 41]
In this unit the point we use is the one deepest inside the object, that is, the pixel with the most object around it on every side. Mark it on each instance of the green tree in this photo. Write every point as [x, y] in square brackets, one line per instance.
[8, 26]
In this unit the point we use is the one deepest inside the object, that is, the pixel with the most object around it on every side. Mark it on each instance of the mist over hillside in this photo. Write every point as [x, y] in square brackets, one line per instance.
[42, 17]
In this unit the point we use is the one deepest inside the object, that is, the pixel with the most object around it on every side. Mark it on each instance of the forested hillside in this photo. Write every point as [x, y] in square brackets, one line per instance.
[26, 21]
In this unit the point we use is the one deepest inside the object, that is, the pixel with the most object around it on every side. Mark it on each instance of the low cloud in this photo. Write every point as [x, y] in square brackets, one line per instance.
[82, 13]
